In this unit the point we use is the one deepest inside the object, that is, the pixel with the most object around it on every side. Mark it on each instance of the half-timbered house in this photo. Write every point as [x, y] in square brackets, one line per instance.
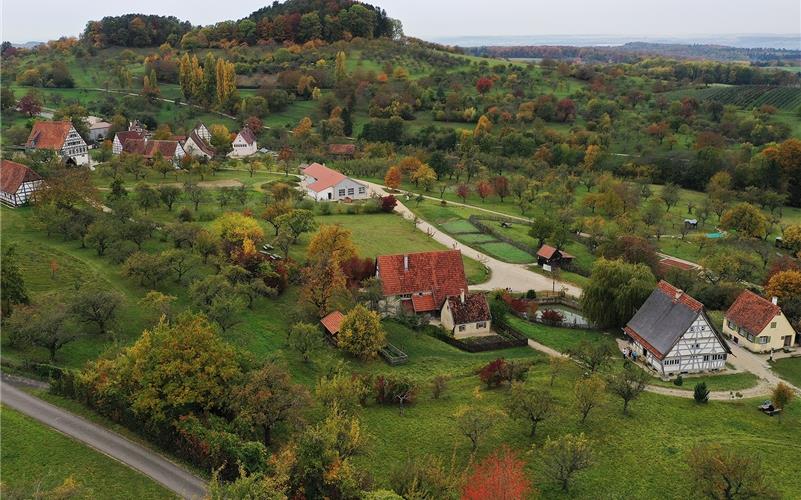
[672, 334]
[60, 137]
[17, 183]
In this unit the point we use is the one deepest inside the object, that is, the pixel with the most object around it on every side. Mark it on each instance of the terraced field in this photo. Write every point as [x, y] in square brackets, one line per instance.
[751, 96]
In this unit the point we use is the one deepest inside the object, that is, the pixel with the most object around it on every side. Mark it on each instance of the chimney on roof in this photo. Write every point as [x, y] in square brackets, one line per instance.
[678, 295]
[405, 263]
[775, 300]
[461, 294]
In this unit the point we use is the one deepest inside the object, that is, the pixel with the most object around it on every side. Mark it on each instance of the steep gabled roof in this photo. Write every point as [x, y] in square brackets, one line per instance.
[752, 312]
[13, 175]
[127, 135]
[135, 146]
[663, 319]
[324, 177]
[438, 273]
[473, 309]
[149, 148]
[201, 144]
[247, 135]
[49, 135]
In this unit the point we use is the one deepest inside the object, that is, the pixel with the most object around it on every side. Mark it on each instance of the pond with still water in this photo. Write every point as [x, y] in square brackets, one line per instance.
[571, 316]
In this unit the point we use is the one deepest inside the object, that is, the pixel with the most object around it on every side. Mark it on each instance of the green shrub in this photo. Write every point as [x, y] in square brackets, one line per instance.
[701, 393]
[678, 381]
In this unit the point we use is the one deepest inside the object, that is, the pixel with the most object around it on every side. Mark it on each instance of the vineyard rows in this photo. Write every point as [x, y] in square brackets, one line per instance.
[753, 96]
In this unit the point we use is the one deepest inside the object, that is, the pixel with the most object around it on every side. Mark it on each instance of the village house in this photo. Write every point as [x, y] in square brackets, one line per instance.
[420, 282]
[244, 144]
[325, 184]
[550, 256]
[120, 137]
[17, 183]
[758, 324]
[466, 315]
[198, 144]
[98, 128]
[672, 334]
[148, 148]
[60, 137]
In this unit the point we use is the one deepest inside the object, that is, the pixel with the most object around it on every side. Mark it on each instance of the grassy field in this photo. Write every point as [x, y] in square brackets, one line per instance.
[723, 382]
[789, 369]
[33, 454]
[561, 339]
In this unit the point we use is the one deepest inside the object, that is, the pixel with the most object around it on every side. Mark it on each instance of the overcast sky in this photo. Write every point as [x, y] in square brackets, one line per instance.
[24, 20]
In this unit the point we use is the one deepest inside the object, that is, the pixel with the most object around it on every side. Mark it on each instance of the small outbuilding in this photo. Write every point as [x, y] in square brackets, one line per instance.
[551, 256]
[466, 315]
[332, 323]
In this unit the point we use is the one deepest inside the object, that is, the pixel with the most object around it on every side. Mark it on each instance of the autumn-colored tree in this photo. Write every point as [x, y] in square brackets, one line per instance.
[322, 283]
[30, 104]
[484, 84]
[483, 126]
[273, 211]
[500, 184]
[388, 203]
[589, 394]
[725, 474]
[475, 422]
[746, 219]
[784, 285]
[658, 131]
[499, 476]
[361, 333]
[530, 405]
[267, 398]
[565, 456]
[424, 176]
[226, 84]
[341, 67]
[331, 241]
[484, 189]
[392, 179]
[463, 191]
[409, 164]
[303, 128]
[237, 232]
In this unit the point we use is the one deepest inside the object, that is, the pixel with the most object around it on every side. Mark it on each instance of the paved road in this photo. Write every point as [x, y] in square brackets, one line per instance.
[131, 454]
[504, 275]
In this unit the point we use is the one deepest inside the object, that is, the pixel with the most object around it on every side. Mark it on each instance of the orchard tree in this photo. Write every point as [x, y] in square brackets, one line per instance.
[781, 396]
[305, 338]
[565, 456]
[501, 476]
[725, 474]
[268, 398]
[96, 305]
[483, 189]
[746, 219]
[500, 185]
[475, 422]
[784, 285]
[169, 195]
[628, 384]
[12, 283]
[463, 191]
[297, 222]
[484, 84]
[424, 176]
[392, 179]
[361, 333]
[530, 405]
[42, 325]
[589, 394]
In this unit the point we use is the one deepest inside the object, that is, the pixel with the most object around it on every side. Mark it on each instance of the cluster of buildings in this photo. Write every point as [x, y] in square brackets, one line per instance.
[672, 333]
[137, 140]
[428, 283]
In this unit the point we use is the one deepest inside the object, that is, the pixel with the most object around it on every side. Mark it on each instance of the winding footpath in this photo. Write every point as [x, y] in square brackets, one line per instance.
[516, 277]
[149, 463]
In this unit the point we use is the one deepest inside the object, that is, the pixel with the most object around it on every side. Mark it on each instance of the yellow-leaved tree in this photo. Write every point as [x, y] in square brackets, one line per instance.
[361, 333]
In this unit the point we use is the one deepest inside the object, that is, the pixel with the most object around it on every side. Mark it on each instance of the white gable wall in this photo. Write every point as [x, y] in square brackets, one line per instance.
[241, 148]
[348, 188]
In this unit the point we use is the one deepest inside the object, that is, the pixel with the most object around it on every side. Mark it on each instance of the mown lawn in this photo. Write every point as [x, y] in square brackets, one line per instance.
[789, 369]
[633, 457]
[723, 382]
[561, 339]
[34, 455]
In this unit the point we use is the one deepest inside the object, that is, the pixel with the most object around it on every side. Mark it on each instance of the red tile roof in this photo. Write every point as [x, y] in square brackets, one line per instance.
[678, 295]
[149, 148]
[128, 135]
[342, 149]
[547, 252]
[438, 273]
[752, 312]
[324, 177]
[13, 175]
[474, 308]
[666, 262]
[423, 303]
[332, 322]
[49, 135]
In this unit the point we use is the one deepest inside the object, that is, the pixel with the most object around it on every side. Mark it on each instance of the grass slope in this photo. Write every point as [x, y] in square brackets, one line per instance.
[35, 454]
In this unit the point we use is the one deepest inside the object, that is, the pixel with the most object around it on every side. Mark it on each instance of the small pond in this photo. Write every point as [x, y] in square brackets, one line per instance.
[571, 316]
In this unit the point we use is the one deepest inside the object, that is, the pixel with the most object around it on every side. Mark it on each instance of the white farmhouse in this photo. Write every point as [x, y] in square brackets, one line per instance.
[673, 334]
[98, 128]
[244, 144]
[324, 184]
[17, 183]
[198, 147]
[60, 137]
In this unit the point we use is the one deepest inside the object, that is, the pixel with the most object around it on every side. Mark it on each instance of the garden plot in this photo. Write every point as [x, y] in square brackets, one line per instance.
[464, 231]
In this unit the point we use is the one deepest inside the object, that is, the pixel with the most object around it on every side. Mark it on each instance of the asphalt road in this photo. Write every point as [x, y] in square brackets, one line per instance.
[149, 463]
